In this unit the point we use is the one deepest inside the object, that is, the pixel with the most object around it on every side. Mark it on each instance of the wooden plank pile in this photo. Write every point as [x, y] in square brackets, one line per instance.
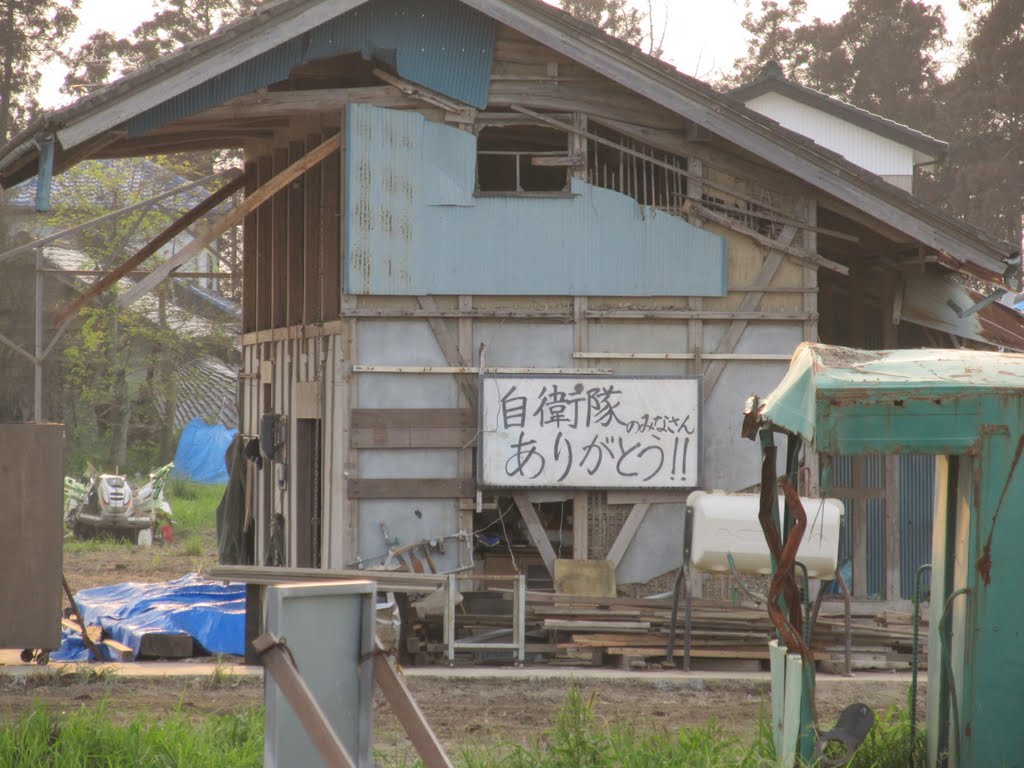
[627, 629]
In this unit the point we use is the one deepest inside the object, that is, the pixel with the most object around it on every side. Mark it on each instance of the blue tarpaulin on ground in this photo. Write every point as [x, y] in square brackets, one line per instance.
[200, 454]
[211, 612]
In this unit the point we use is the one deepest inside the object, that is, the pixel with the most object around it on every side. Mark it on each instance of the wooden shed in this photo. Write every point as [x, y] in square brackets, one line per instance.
[448, 200]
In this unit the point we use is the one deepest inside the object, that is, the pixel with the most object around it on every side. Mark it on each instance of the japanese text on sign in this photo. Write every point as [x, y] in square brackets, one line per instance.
[590, 432]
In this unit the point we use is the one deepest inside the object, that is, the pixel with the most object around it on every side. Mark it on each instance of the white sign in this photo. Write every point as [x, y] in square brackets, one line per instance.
[589, 432]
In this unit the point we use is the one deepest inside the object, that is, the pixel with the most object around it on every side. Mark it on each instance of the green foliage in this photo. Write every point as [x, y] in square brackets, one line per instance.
[31, 33]
[880, 55]
[194, 506]
[90, 736]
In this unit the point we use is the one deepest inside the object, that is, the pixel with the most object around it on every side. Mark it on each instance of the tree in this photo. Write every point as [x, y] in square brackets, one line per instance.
[983, 178]
[620, 19]
[31, 33]
[880, 55]
[175, 23]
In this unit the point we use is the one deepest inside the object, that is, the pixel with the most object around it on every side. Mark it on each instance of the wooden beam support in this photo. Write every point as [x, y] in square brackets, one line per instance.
[312, 102]
[260, 196]
[408, 712]
[801, 255]
[772, 262]
[449, 348]
[537, 532]
[409, 488]
[628, 532]
[158, 242]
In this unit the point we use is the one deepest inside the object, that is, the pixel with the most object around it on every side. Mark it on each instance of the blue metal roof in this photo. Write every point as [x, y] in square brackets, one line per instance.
[443, 45]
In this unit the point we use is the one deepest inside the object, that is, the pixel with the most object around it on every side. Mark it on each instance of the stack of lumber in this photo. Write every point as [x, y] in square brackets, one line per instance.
[639, 628]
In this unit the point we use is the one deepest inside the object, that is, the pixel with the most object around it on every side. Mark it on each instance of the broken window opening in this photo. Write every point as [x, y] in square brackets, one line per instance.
[650, 176]
[522, 159]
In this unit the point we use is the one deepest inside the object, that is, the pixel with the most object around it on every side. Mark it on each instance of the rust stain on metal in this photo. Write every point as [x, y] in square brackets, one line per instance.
[984, 563]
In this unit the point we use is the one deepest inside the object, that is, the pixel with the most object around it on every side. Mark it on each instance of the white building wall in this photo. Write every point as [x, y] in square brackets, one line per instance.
[864, 148]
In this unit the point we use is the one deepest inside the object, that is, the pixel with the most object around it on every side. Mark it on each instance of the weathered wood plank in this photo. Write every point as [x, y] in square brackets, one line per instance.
[413, 437]
[410, 488]
[422, 418]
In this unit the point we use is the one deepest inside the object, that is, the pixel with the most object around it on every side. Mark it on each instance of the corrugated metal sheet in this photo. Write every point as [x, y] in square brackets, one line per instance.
[443, 45]
[414, 226]
[842, 477]
[917, 508]
[875, 471]
[932, 300]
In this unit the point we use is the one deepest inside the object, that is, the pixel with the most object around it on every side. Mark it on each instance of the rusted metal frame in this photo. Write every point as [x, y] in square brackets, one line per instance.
[407, 711]
[536, 530]
[449, 348]
[784, 580]
[783, 558]
[112, 215]
[260, 196]
[750, 302]
[278, 661]
[169, 233]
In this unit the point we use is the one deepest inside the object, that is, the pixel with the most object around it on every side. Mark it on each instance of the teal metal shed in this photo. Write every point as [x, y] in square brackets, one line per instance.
[967, 408]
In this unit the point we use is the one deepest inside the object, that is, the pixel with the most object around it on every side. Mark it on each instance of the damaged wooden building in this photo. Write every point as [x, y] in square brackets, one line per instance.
[451, 202]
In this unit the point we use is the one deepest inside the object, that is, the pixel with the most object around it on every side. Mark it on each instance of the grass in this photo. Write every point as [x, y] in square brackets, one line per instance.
[88, 736]
[576, 740]
[194, 506]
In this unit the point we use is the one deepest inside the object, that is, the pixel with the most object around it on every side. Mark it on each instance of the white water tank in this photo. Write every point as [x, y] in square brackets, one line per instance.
[726, 523]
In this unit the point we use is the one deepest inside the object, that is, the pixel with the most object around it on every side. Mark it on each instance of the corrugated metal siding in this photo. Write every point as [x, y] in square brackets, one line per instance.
[443, 45]
[875, 470]
[917, 505]
[858, 145]
[414, 226]
[842, 477]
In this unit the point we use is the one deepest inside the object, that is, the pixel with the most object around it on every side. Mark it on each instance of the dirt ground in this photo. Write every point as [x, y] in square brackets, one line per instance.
[496, 707]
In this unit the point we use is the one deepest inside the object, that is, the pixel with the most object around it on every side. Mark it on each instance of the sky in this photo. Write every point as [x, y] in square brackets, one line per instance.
[703, 44]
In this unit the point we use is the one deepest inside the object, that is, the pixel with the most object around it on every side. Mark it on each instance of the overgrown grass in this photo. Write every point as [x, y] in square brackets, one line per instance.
[89, 736]
[194, 506]
[577, 741]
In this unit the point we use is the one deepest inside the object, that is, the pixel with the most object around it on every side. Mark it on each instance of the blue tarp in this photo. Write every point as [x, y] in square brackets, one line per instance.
[200, 454]
[211, 612]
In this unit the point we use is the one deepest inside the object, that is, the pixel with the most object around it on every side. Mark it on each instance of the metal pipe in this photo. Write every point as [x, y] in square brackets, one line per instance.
[848, 629]
[947, 666]
[914, 655]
